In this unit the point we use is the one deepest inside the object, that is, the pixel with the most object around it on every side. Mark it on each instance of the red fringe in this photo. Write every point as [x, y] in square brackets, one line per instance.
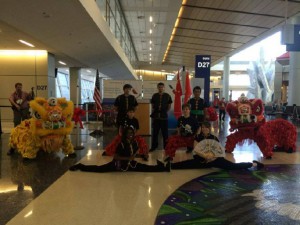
[278, 132]
[111, 148]
[143, 147]
[176, 141]
[213, 115]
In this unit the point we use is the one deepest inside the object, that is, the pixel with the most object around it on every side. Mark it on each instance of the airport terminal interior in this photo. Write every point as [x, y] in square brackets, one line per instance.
[72, 55]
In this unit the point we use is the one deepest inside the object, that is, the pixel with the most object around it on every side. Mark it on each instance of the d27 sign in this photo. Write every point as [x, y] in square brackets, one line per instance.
[202, 66]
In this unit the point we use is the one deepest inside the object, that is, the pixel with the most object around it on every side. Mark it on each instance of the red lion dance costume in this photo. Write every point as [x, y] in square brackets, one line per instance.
[248, 122]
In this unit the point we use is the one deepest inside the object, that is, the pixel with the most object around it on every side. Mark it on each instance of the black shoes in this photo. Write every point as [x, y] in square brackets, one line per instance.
[72, 155]
[145, 157]
[164, 167]
[152, 149]
[168, 159]
[11, 151]
[76, 167]
[189, 150]
[259, 165]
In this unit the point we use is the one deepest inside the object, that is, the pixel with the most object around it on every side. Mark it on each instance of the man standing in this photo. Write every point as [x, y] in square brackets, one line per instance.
[222, 107]
[20, 104]
[161, 103]
[198, 106]
[123, 103]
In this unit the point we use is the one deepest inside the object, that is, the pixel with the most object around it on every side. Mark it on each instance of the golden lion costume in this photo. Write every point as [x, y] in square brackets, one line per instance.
[47, 130]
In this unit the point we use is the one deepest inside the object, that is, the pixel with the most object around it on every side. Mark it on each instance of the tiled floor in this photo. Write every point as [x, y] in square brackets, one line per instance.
[43, 191]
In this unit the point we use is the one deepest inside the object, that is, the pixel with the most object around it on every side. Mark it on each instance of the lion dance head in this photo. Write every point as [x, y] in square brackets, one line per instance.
[245, 113]
[47, 130]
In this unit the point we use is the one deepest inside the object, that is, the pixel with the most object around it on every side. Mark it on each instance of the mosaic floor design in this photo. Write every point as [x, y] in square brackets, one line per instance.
[269, 196]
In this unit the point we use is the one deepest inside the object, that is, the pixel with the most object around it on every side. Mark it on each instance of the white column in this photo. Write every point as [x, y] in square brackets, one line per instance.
[226, 78]
[294, 79]
[75, 79]
[294, 75]
[51, 76]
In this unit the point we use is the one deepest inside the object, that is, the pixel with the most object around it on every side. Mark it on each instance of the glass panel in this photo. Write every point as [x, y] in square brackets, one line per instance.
[102, 5]
[62, 80]
[65, 92]
[57, 89]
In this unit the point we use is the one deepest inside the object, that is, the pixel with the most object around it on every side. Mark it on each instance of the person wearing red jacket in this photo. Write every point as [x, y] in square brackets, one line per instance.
[222, 107]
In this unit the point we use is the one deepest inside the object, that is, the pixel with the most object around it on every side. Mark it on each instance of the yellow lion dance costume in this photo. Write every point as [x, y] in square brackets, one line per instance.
[47, 130]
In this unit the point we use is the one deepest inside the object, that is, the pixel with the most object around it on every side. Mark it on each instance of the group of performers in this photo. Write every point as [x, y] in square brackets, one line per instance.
[192, 131]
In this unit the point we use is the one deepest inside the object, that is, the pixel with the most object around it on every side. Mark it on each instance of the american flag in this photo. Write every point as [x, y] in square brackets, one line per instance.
[97, 95]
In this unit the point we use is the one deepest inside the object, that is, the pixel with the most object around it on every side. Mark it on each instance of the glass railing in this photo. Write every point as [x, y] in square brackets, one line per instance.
[113, 14]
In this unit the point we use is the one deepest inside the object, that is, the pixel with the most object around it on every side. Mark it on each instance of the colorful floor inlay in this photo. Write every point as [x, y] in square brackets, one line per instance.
[270, 196]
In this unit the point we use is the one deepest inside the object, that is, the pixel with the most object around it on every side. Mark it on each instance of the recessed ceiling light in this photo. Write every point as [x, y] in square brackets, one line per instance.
[150, 54]
[149, 62]
[150, 42]
[150, 59]
[150, 18]
[61, 62]
[150, 31]
[150, 48]
[26, 43]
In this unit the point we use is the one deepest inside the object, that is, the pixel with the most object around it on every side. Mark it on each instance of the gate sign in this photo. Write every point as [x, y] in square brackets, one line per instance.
[296, 46]
[202, 66]
[202, 70]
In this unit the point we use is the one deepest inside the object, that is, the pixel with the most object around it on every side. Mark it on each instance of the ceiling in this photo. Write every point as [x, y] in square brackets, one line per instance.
[73, 32]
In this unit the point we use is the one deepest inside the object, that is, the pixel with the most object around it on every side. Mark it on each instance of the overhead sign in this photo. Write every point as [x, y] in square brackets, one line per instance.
[202, 66]
[202, 70]
[295, 47]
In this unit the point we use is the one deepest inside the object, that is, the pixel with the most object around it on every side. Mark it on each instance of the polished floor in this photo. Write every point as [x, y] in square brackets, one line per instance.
[43, 191]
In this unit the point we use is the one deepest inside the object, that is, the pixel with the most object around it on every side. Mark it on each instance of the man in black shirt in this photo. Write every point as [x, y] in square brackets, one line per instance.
[161, 103]
[123, 103]
[198, 106]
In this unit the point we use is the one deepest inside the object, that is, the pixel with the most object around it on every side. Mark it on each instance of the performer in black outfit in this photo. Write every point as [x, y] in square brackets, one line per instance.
[124, 158]
[198, 105]
[161, 103]
[199, 162]
[123, 103]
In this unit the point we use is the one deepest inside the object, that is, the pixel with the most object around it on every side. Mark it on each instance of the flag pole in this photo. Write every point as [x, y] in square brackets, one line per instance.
[78, 145]
[97, 97]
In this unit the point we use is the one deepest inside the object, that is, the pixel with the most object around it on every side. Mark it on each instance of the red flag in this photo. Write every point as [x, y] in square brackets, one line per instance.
[188, 88]
[97, 95]
[177, 100]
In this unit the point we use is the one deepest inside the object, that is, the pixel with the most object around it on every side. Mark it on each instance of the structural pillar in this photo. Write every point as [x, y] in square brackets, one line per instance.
[226, 78]
[294, 74]
[75, 80]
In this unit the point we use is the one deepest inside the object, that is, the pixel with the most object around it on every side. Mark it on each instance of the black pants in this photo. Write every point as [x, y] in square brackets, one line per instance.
[156, 126]
[199, 163]
[20, 115]
[222, 114]
[112, 167]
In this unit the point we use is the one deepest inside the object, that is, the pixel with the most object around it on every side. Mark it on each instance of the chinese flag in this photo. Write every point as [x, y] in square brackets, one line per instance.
[177, 101]
[188, 88]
